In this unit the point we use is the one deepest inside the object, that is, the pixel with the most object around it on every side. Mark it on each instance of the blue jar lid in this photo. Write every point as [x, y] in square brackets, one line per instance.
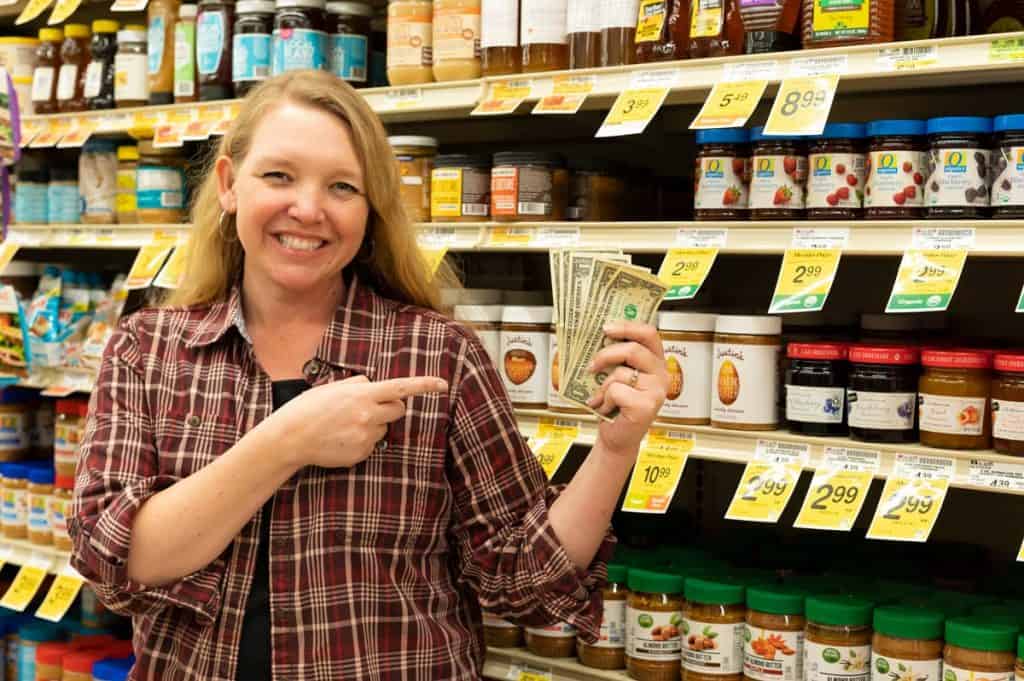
[14, 471]
[97, 145]
[41, 476]
[968, 124]
[40, 632]
[1008, 122]
[112, 669]
[723, 136]
[757, 134]
[15, 395]
[837, 131]
[896, 127]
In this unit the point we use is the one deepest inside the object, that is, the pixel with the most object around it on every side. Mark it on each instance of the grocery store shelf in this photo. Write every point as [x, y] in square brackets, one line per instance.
[60, 382]
[735, 446]
[509, 663]
[23, 552]
[91, 236]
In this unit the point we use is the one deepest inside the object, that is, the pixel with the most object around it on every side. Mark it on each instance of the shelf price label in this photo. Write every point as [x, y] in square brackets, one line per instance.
[685, 269]
[567, 95]
[504, 97]
[434, 258]
[173, 272]
[634, 108]
[62, 11]
[510, 236]
[129, 5]
[26, 583]
[171, 132]
[996, 475]
[78, 134]
[930, 270]
[552, 443]
[838, 490]
[730, 104]
[808, 270]
[61, 595]
[8, 250]
[148, 262]
[658, 470]
[907, 58]
[32, 10]
[50, 135]
[29, 130]
[912, 498]
[802, 105]
[768, 481]
[1005, 50]
[526, 672]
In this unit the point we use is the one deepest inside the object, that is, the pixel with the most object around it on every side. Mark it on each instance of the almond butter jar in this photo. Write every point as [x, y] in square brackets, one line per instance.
[555, 401]
[485, 320]
[837, 645]
[713, 630]
[556, 640]
[774, 637]
[654, 617]
[688, 342]
[525, 344]
[907, 643]
[609, 652]
[977, 648]
[953, 399]
[499, 633]
[745, 376]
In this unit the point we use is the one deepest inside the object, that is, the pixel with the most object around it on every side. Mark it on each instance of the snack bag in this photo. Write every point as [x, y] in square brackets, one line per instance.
[13, 359]
[42, 323]
[103, 323]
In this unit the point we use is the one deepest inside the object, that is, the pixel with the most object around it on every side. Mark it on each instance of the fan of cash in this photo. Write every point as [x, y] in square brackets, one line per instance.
[591, 288]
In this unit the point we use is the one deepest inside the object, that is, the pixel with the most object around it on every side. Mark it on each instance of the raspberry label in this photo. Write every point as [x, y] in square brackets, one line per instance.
[836, 181]
[722, 182]
[895, 179]
[778, 182]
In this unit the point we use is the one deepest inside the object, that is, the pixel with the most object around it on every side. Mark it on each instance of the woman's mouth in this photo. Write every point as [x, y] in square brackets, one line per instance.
[298, 243]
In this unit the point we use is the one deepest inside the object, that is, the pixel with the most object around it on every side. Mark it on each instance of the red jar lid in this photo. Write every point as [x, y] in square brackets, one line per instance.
[64, 482]
[1011, 363]
[52, 653]
[902, 355]
[81, 662]
[822, 351]
[73, 407]
[956, 359]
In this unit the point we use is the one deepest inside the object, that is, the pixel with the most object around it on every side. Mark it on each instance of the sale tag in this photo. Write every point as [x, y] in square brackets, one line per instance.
[51, 135]
[907, 58]
[129, 5]
[29, 130]
[400, 98]
[173, 271]
[768, 481]
[61, 595]
[634, 108]
[838, 489]
[148, 262]
[8, 250]
[808, 270]
[504, 97]
[1005, 50]
[685, 269]
[930, 270]
[63, 11]
[657, 471]
[24, 587]
[802, 105]
[552, 443]
[78, 135]
[996, 475]
[32, 10]
[730, 104]
[434, 258]
[567, 95]
[526, 672]
[912, 498]
[510, 236]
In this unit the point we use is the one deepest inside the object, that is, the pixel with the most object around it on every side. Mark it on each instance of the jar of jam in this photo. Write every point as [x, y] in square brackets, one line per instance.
[953, 399]
[529, 186]
[896, 166]
[816, 388]
[1008, 166]
[617, 19]
[74, 60]
[662, 31]
[131, 83]
[544, 35]
[410, 42]
[349, 54]
[958, 175]
[722, 175]
[300, 36]
[882, 395]
[837, 158]
[250, 51]
[214, 25]
[99, 75]
[779, 181]
[1008, 404]
[44, 76]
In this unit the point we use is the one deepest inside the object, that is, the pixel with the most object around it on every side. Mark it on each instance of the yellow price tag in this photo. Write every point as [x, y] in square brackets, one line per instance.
[805, 279]
[147, 263]
[173, 271]
[802, 105]
[51, 135]
[228, 114]
[129, 5]
[8, 250]
[926, 279]
[434, 257]
[78, 135]
[504, 98]
[912, 498]
[632, 112]
[63, 11]
[1006, 50]
[567, 95]
[32, 10]
[29, 130]
[1020, 556]
[60, 597]
[730, 104]
[171, 133]
[534, 676]
[838, 490]
[657, 472]
[552, 443]
[23, 589]
[685, 269]
[768, 482]
[509, 236]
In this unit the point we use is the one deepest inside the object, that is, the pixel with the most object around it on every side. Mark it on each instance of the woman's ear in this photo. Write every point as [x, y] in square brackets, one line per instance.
[225, 170]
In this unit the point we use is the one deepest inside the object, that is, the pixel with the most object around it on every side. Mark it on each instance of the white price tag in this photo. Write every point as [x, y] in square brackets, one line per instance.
[557, 236]
[702, 238]
[819, 66]
[996, 475]
[907, 58]
[820, 238]
[943, 238]
[758, 70]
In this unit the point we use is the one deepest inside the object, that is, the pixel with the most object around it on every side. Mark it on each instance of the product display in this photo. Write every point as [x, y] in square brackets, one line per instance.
[556, 640]
[654, 615]
[44, 76]
[163, 15]
[778, 182]
[186, 77]
[774, 634]
[349, 51]
[610, 650]
[410, 42]
[499, 37]
[74, 61]
[816, 382]
[415, 156]
[722, 175]
[688, 341]
[99, 75]
[460, 188]
[744, 388]
[1008, 404]
[543, 35]
[836, 162]
[714, 617]
[882, 395]
[1008, 171]
[958, 178]
[215, 21]
[527, 186]
[131, 67]
[524, 364]
[953, 396]
[896, 166]
[907, 641]
[160, 185]
[976, 646]
[843, 623]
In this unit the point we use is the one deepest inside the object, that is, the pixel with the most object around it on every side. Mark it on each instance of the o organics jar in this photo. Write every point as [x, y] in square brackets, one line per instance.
[778, 184]
[1008, 166]
[654, 616]
[977, 647]
[953, 399]
[1008, 404]
[838, 642]
[610, 650]
[907, 640]
[722, 190]
[896, 166]
[958, 167]
[836, 162]
[715, 616]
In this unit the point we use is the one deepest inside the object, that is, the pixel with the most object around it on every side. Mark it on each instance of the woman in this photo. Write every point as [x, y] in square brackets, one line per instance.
[299, 468]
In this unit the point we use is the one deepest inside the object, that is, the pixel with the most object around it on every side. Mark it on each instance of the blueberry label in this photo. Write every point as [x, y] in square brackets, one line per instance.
[348, 59]
[299, 48]
[251, 57]
[209, 42]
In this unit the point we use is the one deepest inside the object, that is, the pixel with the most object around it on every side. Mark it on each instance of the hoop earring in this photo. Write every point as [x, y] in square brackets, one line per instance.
[223, 226]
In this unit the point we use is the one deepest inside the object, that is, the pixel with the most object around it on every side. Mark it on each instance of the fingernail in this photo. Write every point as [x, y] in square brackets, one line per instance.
[593, 401]
[608, 328]
[442, 385]
[592, 367]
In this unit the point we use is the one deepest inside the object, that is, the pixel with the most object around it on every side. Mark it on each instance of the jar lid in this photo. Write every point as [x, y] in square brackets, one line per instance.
[1008, 122]
[822, 351]
[412, 141]
[129, 153]
[97, 144]
[462, 161]
[310, 4]
[187, 11]
[714, 591]
[839, 611]
[527, 314]
[906, 622]
[617, 573]
[76, 31]
[136, 27]
[112, 669]
[957, 359]
[901, 355]
[837, 131]
[723, 136]
[131, 35]
[969, 124]
[51, 653]
[879, 321]
[686, 321]
[529, 158]
[73, 407]
[254, 7]
[477, 313]
[51, 35]
[81, 661]
[359, 9]
[755, 325]
[1004, 361]
[896, 127]
[649, 582]
[41, 476]
[14, 471]
[776, 600]
[979, 633]
[105, 26]
[757, 135]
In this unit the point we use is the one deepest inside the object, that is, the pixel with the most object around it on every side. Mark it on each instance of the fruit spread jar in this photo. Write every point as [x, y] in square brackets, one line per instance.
[715, 618]
[836, 161]
[654, 616]
[499, 38]
[499, 633]
[543, 34]
[907, 642]
[556, 640]
[251, 49]
[977, 648]
[722, 188]
[688, 341]
[460, 188]
[953, 399]
[837, 646]
[816, 388]
[456, 40]
[410, 42]
[415, 157]
[958, 177]
[529, 186]
[745, 386]
[897, 160]
[1008, 166]
[882, 395]
[524, 354]
[779, 179]
[300, 36]
[774, 637]
[1008, 404]
[609, 652]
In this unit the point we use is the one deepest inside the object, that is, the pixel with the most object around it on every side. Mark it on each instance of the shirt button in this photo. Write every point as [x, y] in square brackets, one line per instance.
[193, 420]
[382, 445]
[312, 368]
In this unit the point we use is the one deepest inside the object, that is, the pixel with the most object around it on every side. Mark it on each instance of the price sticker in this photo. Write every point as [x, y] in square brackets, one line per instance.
[504, 98]
[528, 672]
[148, 262]
[926, 280]
[634, 108]
[907, 58]
[29, 130]
[171, 133]
[657, 472]
[62, 11]
[768, 481]
[8, 250]
[996, 475]
[567, 95]
[24, 587]
[684, 271]
[65, 388]
[78, 135]
[32, 10]
[805, 279]
[403, 98]
[838, 490]
[552, 443]
[173, 272]
[129, 5]
[912, 498]
[556, 237]
[51, 135]
[61, 595]
[1005, 50]
[200, 129]
[228, 114]
[434, 258]
[510, 236]
[802, 105]
[730, 104]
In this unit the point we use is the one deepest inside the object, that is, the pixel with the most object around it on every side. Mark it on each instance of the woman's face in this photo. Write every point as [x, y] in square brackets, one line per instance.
[299, 201]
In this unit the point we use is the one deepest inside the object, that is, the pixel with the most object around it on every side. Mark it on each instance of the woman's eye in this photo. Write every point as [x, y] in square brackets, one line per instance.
[344, 188]
[276, 175]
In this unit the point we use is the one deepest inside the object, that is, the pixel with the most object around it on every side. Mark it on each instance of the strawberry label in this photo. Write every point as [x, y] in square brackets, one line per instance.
[722, 183]
[895, 179]
[836, 181]
[778, 182]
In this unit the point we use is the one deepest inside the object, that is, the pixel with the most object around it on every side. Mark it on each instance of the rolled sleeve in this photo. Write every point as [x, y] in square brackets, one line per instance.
[508, 551]
[118, 471]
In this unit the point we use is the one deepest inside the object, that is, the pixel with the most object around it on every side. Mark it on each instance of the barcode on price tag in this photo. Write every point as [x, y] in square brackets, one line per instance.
[907, 58]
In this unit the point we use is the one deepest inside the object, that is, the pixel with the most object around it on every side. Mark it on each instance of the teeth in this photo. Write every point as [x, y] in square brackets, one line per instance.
[298, 243]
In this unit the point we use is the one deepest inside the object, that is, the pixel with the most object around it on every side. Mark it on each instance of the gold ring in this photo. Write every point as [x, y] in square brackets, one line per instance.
[635, 378]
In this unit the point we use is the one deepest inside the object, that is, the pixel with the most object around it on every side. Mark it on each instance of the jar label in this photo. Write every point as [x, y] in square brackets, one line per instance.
[125, 202]
[770, 655]
[951, 415]
[706, 18]
[30, 203]
[895, 179]
[823, 662]
[559, 630]
[619, 13]
[496, 622]
[66, 80]
[38, 520]
[524, 365]
[500, 25]
[778, 182]
[654, 636]
[951, 673]
[815, 405]
[155, 44]
[296, 49]
[131, 82]
[1008, 186]
[745, 384]
[210, 34]
[15, 507]
[457, 193]
[543, 22]
[349, 57]
[881, 411]
[1007, 419]
[613, 625]
[15, 432]
[456, 34]
[57, 509]
[250, 57]
[582, 17]
[840, 19]
[42, 83]
[958, 177]
[160, 188]
[722, 183]
[836, 181]
[64, 205]
[650, 20]
[689, 380]
[522, 191]
[884, 668]
[504, 191]
[93, 79]
[410, 38]
[554, 399]
[713, 648]
[184, 60]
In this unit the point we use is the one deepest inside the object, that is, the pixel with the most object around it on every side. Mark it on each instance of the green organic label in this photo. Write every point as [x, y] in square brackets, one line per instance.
[830, 655]
[676, 619]
[918, 303]
[882, 665]
[645, 621]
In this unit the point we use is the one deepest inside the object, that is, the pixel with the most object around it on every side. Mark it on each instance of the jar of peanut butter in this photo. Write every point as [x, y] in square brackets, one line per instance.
[15, 500]
[40, 489]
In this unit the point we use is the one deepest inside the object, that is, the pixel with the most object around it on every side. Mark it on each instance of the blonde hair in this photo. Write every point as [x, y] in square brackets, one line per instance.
[389, 259]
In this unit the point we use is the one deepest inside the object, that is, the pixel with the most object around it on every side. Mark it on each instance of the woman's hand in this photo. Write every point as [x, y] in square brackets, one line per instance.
[637, 388]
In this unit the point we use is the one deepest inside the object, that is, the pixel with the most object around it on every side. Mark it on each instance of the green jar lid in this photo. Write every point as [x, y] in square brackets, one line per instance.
[40, 632]
[715, 592]
[617, 574]
[648, 582]
[979, 633]
[839, 611]
[1014, 609]
[1020, 647]
[911, 623]
[776, 600]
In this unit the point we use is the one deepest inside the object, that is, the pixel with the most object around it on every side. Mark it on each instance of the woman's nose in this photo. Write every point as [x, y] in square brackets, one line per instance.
[306, 207]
